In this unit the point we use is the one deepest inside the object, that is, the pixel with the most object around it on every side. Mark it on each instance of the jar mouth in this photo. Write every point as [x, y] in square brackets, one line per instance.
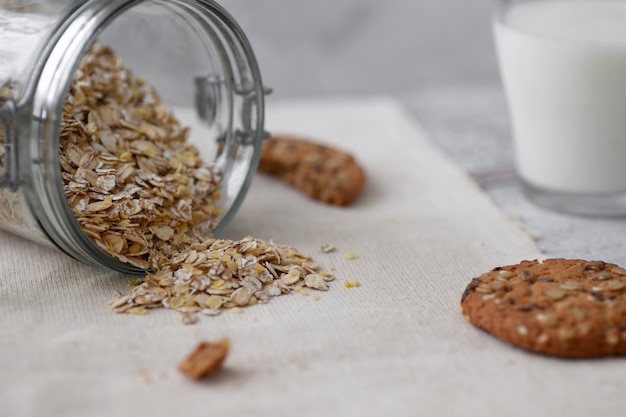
[207, 73]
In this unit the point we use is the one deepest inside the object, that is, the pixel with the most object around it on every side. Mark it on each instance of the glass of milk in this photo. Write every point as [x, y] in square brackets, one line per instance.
[563, 66]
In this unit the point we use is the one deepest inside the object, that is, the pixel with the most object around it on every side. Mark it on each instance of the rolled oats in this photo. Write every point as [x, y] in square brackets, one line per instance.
[315, 281]
[327, 248]
[142, 193]
[350, 255]
[133, 182]
[218, 273]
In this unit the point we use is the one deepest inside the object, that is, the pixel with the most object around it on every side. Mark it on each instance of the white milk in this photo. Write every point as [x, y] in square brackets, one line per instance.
[564, 71]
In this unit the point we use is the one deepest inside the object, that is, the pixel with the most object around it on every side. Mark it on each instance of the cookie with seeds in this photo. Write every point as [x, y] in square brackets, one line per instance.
[563, 307]
[322, 172]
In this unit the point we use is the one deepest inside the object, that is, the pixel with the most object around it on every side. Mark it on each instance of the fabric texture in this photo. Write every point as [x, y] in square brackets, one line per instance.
[396, 345]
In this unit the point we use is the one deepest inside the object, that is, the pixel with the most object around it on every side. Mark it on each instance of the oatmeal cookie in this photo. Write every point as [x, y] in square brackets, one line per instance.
[320, 171]
[563, 307]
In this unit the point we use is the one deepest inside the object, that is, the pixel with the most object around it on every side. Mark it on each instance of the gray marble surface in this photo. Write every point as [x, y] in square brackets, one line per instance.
[437, 57]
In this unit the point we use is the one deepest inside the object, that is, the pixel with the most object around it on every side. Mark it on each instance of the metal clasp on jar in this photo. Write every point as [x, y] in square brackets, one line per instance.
[209, 94]
[8, 146]
[246, 136]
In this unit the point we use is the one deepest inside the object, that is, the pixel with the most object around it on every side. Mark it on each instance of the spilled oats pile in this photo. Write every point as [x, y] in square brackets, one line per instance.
[142, 193]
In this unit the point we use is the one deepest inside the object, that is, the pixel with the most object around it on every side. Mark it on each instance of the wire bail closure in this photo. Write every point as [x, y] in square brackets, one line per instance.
[8, 147]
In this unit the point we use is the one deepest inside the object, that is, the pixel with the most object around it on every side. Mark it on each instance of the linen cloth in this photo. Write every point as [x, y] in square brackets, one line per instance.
[397, 345]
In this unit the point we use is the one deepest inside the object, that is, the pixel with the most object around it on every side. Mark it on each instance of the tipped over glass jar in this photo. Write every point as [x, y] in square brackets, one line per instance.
[128, 128]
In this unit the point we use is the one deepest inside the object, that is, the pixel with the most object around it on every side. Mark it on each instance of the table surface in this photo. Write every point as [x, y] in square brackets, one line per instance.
[471, 124]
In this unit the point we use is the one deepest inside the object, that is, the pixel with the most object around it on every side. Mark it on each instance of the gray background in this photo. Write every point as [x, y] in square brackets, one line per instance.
[333, 47]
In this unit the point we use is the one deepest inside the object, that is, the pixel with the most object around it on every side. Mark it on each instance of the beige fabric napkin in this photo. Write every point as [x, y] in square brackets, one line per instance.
[396, 345]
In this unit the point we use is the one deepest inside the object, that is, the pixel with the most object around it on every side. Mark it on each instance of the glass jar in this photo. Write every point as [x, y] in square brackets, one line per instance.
[192, 52]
